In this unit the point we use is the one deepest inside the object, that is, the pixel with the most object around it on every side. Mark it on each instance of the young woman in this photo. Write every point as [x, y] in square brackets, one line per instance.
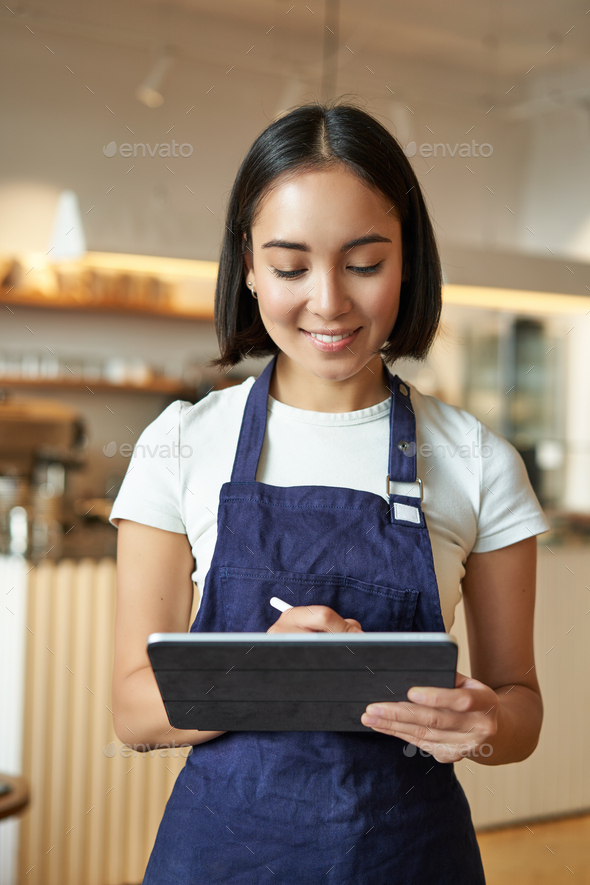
[330, 483]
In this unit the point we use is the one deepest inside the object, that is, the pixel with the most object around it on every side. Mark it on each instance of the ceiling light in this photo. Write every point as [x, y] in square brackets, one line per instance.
[149, 91]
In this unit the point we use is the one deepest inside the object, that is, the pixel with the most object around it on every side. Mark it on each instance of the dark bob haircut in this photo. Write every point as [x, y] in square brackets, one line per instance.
[311, 137]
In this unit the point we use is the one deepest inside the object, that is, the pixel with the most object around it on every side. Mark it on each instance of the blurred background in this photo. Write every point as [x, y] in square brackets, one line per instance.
[124, 125]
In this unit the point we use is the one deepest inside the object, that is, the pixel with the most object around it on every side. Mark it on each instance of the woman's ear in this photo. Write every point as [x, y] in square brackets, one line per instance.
[406, 272]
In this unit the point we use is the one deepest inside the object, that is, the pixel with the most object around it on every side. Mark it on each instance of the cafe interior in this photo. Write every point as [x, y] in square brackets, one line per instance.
[124, 125]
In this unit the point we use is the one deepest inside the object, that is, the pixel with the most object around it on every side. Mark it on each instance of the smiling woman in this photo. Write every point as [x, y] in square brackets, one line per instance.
[329, 264]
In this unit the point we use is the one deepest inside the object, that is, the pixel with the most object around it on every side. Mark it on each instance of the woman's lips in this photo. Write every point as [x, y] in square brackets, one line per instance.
[331, 346]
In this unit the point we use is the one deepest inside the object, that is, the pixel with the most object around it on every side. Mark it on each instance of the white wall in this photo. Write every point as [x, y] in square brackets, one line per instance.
[556, 192]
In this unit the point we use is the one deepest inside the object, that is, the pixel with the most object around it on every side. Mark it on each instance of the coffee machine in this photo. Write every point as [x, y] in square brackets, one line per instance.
[40, 441]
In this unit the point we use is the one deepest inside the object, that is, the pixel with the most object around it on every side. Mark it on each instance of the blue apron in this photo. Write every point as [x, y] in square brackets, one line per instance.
[302, 808]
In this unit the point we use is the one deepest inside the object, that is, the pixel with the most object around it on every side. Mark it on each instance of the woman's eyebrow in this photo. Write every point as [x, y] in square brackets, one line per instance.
[303, 247]
[284, 244]
[363, 241]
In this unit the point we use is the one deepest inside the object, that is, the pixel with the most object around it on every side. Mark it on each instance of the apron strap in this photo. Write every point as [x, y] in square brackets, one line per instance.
[402, 433]
[253, 428]
[402, 430]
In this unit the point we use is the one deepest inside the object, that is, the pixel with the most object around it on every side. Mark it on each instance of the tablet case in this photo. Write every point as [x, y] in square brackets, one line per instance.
[292, 681]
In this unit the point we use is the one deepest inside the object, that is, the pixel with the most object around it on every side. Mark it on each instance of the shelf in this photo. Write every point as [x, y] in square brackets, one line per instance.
[201, 312]
[156, 386]
[163, 386]
[113, 283]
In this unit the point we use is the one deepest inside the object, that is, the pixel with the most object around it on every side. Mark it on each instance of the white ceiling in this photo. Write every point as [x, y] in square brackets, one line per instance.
[487, 36]
[476, 48]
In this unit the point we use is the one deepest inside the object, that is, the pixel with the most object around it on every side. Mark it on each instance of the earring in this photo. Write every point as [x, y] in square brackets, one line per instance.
[254, 295]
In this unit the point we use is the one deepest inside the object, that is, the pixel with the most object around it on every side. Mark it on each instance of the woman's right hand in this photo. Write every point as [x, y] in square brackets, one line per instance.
[313, 619]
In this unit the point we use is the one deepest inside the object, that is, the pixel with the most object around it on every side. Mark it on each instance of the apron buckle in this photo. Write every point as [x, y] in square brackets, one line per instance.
[418, 480]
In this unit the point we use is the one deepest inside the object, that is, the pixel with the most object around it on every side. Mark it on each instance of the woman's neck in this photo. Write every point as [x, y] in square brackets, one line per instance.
[296, 386]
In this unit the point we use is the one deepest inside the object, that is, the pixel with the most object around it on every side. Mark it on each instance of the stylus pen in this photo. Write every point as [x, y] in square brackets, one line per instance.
[280, 604]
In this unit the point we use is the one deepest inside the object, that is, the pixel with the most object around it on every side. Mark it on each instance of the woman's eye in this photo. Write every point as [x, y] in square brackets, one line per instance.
[365, 271]
[287, 274]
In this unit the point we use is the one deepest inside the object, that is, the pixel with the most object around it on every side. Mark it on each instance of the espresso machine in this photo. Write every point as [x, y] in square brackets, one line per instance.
[41, 440]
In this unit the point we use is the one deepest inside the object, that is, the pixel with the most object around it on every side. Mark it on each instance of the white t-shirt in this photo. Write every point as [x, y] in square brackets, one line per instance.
[477, 494]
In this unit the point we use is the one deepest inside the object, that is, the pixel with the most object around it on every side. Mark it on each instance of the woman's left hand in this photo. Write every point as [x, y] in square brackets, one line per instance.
[447, 723]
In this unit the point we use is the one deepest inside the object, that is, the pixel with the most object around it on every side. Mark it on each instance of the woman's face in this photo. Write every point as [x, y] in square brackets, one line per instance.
[326, 265]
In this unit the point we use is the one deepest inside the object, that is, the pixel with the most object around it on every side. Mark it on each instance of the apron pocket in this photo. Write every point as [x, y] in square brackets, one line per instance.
[247, 592]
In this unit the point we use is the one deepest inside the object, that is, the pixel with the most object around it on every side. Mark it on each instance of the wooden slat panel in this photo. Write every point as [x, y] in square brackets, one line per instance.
[37, 702]
[100, 685]
[80, 800]
[116, 795]
[135, 825]
[62, 594]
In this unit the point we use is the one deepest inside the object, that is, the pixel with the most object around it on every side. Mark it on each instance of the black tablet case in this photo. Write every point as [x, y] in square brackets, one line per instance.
[270, 685]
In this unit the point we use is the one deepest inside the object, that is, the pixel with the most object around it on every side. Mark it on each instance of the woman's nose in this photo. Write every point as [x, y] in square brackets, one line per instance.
[328, 298]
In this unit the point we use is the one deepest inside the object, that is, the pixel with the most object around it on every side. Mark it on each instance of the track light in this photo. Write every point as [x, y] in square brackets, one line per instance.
[149, 91]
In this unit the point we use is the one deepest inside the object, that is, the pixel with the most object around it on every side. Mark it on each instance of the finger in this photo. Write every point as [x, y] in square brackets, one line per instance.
[438, 719]
[459, 699]
[315, 619]
[322, 618]
[419, 734]
[420, 721]
[355, 626]
[288, 622]
[393, 730]
[438, 744]
[280, 627]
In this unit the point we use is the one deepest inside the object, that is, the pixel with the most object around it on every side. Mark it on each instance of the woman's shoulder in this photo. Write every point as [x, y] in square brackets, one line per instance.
[217, 404]
[214, 413]
[445, 417]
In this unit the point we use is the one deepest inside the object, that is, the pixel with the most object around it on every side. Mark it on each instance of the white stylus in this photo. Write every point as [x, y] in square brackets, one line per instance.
[280, 604]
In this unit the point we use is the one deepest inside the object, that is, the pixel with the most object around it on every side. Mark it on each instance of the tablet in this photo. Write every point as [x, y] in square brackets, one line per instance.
[292, 681]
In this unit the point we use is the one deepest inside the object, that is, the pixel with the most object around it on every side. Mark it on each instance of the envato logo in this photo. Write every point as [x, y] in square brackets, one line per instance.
[164, 750]
[453, 750]
[464, 150]
[429, 450]
[139, 450]
[162, 150]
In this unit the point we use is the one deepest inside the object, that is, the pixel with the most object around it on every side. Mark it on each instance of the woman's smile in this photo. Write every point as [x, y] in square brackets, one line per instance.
[331, 342]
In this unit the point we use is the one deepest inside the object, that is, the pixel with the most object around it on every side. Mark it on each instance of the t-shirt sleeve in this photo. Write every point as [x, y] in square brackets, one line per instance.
[509, 508]
[150, 491]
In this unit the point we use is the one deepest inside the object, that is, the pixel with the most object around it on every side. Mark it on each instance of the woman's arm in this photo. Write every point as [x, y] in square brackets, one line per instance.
[500, 705]
[499, 596]
[154, 595]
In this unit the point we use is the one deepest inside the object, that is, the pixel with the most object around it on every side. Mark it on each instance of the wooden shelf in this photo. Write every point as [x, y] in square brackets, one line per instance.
[200, 313]
[157, 385]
